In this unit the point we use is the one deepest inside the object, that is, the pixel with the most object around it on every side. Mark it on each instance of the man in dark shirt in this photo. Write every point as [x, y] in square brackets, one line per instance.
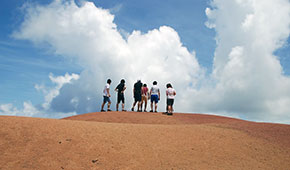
[137, 95]
[120, 89]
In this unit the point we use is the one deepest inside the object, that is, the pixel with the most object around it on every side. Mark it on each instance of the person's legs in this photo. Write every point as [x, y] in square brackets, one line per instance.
[154, 99]
[170, 108]
[139, 106]
[117, 106]
[123, 102]
[109, 104]
[123, 106]
[145, 107]
[134, 105]
[138, 99]
[104, 102]
[103, 106]
[142, 101]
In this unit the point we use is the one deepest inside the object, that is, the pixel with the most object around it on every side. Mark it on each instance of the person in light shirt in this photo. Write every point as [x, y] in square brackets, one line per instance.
[170, 93]
[154, 96]
[107, 95]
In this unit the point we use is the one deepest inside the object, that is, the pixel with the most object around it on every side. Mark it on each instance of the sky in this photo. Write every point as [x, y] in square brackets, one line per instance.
[223, 57]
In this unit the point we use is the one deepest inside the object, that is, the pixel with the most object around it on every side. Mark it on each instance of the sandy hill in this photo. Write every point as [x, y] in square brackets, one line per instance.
[130, 140]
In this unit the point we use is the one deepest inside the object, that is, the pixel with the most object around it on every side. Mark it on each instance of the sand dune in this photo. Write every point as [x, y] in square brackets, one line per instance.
[130, 140]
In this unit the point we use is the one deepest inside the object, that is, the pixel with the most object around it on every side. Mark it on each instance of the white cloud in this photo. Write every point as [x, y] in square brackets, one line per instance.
[9, 109]
[89, 35]
[49, 94]
[247, 78]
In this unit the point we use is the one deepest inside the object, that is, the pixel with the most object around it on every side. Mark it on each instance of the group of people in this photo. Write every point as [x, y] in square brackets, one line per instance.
[141, 95]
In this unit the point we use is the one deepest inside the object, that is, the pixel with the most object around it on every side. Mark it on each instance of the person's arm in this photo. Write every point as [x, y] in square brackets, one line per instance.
[174, 93]
[158, 94]
[124, 89]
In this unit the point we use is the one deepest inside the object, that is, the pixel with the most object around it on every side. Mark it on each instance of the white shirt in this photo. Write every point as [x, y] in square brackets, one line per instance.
[154, 90]
[105, 92]
[170, 93]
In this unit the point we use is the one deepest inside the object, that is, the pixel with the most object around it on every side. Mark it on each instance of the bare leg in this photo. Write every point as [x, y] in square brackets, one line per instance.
[117, 106]
[169, 109]
[109, 104]
[155, 107]
[139, 105]
[145, 104]
[123, 106]
[103, 105]
[151, 106]
[133, 106]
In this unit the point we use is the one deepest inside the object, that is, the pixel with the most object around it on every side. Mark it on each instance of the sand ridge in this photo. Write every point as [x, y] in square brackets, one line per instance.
[131, 140]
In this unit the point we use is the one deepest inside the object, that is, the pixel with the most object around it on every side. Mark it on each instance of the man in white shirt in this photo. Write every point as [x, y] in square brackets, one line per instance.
[154, 95]
[106, 95]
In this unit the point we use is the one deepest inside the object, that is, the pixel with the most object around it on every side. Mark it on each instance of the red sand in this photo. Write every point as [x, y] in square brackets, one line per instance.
[131, 140]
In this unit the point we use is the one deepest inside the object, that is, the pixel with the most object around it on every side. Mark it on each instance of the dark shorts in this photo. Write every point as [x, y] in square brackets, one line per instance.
[170, 102]
[154, 98]
[137, 97]
[107, 99]
[121, 98]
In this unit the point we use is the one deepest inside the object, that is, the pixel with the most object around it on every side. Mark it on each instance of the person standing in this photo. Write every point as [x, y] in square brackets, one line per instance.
[137, 95]
[120, 92]
[106, 95]
[144, 92]
[170, 93]
[154, 95]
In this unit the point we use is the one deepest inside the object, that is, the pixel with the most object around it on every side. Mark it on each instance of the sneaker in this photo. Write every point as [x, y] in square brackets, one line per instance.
[124, 110]
[145, 111]
[109, 110]
[169, 114]
[151, 110]
[155, 111]
[139, 110]
[132, 109]
[103, 110]
[165, 113]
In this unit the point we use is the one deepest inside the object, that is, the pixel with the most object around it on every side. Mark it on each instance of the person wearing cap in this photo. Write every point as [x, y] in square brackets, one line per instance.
[137, 95]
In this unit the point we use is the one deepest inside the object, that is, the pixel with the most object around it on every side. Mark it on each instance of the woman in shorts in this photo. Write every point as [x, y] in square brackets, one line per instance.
[144, 92]
[170, 93]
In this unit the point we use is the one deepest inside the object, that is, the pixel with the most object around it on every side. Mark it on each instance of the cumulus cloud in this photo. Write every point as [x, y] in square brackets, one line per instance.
[43, 110]
[28, 110]
[89, 36]
[249, 76]
[247, 79]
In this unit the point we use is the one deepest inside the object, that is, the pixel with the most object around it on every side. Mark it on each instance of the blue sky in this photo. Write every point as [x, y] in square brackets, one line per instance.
[204, 28]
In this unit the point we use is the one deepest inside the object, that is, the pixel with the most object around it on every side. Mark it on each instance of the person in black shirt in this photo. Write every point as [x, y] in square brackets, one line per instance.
[137, 95]
[120, 90]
